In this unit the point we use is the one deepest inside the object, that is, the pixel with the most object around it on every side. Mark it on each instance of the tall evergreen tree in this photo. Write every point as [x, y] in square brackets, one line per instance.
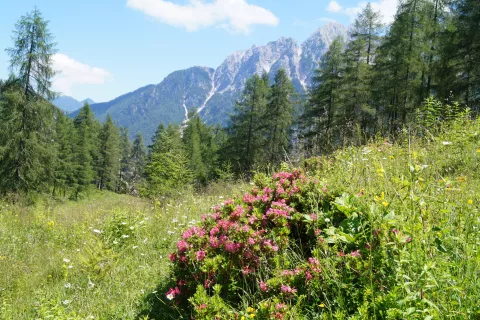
[325, 99]
[279, 118]
[63, 165]
[85, 149]
[126, 171]
[31, 56]
[138, 157]
[357, 109]
[401, 65]
[246, 133]
[201, 148]
[167, 166]
[109, 156]
[26, 149]
[27, 124]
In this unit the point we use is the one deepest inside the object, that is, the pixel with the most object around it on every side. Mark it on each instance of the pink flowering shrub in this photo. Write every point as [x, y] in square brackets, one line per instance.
[290, 240]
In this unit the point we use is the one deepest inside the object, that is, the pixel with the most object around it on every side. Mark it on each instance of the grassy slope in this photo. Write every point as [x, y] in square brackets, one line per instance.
[54, 263]
[432, 190]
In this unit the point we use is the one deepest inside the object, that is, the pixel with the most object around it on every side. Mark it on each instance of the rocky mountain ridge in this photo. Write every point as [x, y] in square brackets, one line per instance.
[212, 92]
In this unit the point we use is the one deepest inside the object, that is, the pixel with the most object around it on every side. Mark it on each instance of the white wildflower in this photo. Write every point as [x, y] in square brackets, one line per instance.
[66, 260]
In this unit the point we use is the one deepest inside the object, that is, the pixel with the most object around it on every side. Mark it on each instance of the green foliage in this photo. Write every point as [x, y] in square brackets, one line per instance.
[25, 144]
[321, 112]
[246, 133]
[167, 167]
[201, 149]
[31, 56]
[109, 155]
[278, 119]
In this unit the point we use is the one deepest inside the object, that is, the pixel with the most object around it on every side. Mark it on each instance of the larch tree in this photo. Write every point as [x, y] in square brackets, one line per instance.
[27, 123]
[109, 156]
[279, 118]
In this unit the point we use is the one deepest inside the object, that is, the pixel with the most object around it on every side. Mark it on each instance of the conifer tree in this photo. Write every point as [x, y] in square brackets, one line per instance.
[401, 65]
[167, 166]
[278, 118]
[84, 149]
[201, 148]
[26, 117]
[357, 108]
[31, 56]
[325, 98]
[137, 160]
[246, 133]
[125, 174]
[109, 156]
[63, 165]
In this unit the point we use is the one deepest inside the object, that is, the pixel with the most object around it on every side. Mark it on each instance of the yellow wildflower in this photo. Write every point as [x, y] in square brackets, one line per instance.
[478, 150]
[321, 305]
[252, 315]
[250, 310]
[470, 201]
[385, 203]
[51, 223]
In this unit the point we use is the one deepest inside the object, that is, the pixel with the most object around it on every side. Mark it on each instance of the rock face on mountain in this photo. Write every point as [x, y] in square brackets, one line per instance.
[213, 91]
[69, 104]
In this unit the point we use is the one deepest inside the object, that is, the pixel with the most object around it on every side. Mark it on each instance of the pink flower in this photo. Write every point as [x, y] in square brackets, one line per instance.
[355, 253]
[200, 255]
[288, 289]
[207, 283]
[248, 198]
[214, 231]
[213, 242]
[317, 232]
[182, 245]
[172, 257]
[409, 239]
[308, 275]
[251, 241]
[263, 286]
[313, 216]
[395, 231]
[172, 293]
[313, 261]
[280, 306]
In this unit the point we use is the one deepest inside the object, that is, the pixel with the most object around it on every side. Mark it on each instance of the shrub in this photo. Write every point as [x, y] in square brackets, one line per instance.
[290, 246]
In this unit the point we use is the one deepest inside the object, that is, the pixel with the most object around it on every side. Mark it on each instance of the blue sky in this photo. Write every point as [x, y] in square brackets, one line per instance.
[110, 47]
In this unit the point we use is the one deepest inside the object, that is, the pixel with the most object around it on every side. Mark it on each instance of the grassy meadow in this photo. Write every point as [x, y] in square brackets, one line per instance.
[106, 256]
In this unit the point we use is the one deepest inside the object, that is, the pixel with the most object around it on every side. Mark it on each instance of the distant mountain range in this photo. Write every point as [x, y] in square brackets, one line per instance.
[213, 91]
[69, 104]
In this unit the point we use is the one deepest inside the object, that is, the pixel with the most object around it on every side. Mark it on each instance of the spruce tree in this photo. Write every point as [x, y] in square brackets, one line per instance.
[357, 109]
[63, 165]
[31, 56]
[84, 149]
[109, 156]
[278, 118]
[126, 171]
[26, 117]
[246, 133]
[137, 160]
[167, 169]
[324, 103]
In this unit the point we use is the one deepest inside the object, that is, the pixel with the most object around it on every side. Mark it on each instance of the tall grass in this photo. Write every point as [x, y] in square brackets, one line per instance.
[106, 257]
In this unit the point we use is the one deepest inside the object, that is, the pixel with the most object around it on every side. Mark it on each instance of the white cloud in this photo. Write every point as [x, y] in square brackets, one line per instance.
[72, 72]
[334, 6]
[235, 15]
[387, 8]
